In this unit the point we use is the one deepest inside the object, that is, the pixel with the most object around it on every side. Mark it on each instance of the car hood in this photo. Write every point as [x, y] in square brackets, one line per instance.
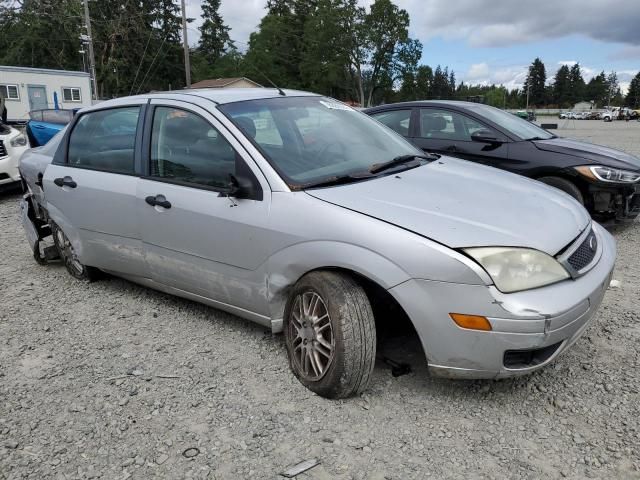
[462, 204]
[590, 153]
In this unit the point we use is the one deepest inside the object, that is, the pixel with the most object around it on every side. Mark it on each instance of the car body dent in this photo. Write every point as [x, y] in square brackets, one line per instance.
[309, 246]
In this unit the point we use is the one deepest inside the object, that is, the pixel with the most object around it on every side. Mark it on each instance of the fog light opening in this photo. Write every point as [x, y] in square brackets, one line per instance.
[471, 322]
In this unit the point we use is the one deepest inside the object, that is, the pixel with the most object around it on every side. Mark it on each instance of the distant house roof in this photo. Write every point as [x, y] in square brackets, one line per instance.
[223, 82]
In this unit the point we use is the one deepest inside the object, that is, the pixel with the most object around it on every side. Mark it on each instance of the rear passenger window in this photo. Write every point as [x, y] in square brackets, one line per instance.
[105, 140]
[187, 148]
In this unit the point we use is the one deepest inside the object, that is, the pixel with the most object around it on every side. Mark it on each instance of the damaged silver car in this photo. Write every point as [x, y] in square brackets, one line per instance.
[310, 218]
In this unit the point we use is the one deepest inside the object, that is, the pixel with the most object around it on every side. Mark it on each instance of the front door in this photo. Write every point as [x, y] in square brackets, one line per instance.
[37, 97]
[195, 239]
[448, 132]
[92, 192]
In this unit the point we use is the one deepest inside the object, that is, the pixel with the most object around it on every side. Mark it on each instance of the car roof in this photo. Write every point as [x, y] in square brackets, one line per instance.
[422, 103]
[216, 95]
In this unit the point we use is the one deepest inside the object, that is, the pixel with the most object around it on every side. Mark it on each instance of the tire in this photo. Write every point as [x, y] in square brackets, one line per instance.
[346, 369]
[565, 185]
[75, 268]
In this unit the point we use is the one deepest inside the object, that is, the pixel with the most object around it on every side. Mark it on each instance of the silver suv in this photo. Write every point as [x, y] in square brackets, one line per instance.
[299, 213]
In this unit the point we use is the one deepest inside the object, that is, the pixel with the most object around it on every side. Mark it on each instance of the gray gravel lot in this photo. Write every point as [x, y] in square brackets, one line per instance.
[111, 380]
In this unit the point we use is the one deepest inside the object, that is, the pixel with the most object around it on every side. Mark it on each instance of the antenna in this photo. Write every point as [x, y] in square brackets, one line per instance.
[280, 91]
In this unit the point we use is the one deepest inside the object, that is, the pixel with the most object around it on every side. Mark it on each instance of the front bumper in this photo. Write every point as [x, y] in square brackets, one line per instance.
[9, 164]
[529, 329]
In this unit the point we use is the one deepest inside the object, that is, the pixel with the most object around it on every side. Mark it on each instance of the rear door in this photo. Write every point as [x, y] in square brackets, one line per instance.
[91, 189]
[37, 97]
[448, 132]
[195, 239]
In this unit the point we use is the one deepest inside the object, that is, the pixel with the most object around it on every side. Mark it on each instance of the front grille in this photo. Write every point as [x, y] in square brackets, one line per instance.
[585, 252]
[3, 150]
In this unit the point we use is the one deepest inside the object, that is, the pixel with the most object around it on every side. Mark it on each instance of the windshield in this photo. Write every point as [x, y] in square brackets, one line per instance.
[520, 128]
[312, 139]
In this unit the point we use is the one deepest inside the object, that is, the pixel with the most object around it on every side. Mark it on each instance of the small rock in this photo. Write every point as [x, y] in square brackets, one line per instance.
[615, 284]
[191, 452]
[11, 444]
[162, 458]
[139, 461]
[123, 402]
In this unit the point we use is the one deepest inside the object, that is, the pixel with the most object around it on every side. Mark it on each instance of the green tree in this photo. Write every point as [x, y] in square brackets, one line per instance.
[596, 90]
[614, 95]
[633, 95]
[562, 87]
[535, 83]
[424, 82]
[576, 84]
[214, 34]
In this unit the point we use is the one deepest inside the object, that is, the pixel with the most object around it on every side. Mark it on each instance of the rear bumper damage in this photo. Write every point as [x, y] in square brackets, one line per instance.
[36, 229]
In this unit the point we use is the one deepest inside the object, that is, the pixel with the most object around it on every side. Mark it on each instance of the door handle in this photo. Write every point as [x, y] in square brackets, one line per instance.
[158, 200]
[65, 182]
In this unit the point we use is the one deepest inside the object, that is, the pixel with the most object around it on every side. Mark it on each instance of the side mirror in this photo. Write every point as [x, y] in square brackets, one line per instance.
[485, 136]
[238, 188]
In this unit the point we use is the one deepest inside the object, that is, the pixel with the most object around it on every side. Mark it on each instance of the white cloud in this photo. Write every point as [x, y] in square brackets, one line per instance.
[494, 23]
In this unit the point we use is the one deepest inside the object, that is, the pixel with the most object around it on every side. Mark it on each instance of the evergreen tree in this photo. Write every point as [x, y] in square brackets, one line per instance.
[577, 85]
[214, 34]
[562, 87]
[633, 95]
[535, 83]
[596, 90]
[424, 82]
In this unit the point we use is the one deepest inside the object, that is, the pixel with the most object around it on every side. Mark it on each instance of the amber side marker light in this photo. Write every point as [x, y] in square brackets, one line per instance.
[471, 322]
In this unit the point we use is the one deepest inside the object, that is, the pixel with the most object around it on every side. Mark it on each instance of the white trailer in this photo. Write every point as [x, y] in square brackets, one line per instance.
[26, 89]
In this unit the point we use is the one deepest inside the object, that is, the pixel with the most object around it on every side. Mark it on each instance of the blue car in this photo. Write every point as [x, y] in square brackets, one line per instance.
[44, 124]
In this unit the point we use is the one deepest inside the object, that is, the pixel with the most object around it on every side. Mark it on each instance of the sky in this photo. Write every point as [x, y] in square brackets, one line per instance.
[494, 41]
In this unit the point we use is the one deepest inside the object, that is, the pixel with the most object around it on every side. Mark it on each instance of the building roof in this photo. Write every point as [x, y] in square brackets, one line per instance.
[47, 71]
[221, 82]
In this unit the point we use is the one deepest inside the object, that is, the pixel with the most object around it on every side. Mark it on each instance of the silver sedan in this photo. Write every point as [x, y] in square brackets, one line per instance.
[299, 213]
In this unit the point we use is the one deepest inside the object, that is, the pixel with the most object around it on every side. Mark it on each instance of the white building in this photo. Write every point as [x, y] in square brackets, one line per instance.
[27, 89]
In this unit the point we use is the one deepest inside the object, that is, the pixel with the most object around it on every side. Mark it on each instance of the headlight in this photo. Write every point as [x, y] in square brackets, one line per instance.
[19, 141]
[607, 174]
[515, 269]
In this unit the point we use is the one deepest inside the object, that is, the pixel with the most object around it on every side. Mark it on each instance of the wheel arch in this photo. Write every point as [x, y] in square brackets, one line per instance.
[288, 266]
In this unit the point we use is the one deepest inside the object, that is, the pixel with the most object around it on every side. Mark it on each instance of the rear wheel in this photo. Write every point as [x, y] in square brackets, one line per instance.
[330, 334]
[68, 255]
[565, 185]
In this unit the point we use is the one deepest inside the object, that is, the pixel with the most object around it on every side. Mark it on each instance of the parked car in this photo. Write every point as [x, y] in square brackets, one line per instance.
[44, 124]
[592, 116]
[297, 212]
[13, 144]
[531, 116]
[604, 180]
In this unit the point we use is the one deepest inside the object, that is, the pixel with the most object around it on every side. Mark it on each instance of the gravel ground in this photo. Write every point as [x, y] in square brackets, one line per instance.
[111, 380]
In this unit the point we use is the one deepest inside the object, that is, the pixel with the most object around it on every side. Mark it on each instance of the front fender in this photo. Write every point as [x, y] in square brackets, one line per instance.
[288, 265]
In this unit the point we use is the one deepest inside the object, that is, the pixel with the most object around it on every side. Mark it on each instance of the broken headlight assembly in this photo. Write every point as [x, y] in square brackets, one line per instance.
[19, 141]
[517, 269]
[601, 173]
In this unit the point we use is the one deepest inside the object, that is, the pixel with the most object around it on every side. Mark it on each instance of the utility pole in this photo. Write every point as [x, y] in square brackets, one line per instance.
[528, 88]
[187, 62]
[92, 58]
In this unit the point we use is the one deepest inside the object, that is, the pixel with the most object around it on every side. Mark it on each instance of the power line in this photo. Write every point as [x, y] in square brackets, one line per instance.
[133, 84]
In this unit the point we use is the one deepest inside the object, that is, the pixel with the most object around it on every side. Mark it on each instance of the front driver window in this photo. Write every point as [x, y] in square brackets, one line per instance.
[187, 148]
[397, 120]
[447, 125]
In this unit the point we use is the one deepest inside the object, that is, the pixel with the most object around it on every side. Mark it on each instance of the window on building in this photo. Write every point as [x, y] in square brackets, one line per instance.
[70, 94]
[10, 92]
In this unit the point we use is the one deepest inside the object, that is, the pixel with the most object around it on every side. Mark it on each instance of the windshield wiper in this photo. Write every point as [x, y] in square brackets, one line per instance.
[337, 180]
[399, 160]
